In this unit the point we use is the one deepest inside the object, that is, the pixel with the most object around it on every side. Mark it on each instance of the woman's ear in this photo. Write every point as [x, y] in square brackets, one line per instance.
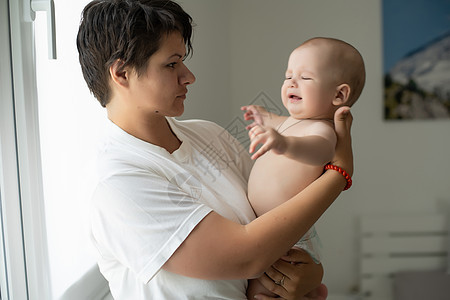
[342, 94]
[118, 73]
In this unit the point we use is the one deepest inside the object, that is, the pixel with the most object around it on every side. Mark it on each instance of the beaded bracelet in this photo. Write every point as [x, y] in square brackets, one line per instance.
[342, 171]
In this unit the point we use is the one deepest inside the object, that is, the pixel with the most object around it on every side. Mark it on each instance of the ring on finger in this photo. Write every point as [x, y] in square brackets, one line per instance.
[281, 281]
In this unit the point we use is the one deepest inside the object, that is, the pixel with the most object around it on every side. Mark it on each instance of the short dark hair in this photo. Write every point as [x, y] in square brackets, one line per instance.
[125, 30]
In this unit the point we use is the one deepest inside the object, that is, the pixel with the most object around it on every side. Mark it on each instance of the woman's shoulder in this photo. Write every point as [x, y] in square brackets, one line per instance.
[210, 133]
[196, 122]
[200, 126]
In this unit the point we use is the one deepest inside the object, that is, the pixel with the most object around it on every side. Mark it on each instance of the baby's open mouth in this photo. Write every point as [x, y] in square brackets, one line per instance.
[294, 97]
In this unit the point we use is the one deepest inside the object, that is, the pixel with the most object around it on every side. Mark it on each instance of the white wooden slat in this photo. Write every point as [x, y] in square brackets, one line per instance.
[404, 244]
[387, 265]
[377, 287]
[391, 244]
[419, 223]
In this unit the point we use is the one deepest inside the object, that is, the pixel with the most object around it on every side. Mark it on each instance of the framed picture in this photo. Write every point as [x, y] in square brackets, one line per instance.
[416, 51]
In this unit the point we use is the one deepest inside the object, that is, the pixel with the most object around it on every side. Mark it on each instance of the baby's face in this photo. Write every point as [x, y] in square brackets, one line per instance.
[309, 87]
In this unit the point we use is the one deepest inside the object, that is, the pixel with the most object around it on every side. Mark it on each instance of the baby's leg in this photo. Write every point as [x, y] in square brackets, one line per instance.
[319, 293]
[311, 243]
[255, 287]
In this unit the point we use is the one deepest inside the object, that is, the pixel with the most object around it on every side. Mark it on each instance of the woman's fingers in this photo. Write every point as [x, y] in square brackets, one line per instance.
[343, 155]
[343, 120]
[277, 286]
[296, 255]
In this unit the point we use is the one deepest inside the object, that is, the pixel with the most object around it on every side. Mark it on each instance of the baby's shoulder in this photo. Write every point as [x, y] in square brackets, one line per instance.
[319, 127]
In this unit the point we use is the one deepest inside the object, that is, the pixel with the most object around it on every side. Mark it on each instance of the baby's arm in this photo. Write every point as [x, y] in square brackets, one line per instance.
[261, 116]
[316, 147]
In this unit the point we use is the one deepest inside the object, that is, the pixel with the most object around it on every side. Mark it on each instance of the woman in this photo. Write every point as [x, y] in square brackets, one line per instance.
[170, 217]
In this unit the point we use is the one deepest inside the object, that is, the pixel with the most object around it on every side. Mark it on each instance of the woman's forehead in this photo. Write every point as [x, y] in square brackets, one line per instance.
[172, 44]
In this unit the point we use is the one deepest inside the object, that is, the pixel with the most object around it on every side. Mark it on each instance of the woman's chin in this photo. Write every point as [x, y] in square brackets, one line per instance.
[177, 112]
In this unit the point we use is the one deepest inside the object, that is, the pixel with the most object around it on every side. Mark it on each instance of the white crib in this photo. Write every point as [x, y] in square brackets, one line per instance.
[393, 247]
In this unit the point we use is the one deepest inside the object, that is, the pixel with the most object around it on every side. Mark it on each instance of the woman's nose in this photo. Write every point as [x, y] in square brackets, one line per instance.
[187, 77]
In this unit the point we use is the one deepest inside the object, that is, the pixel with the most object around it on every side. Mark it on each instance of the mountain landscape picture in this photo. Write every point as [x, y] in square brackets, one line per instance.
[416, 52]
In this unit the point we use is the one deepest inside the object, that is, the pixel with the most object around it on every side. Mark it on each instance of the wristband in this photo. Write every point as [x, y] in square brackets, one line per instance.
[342, 171]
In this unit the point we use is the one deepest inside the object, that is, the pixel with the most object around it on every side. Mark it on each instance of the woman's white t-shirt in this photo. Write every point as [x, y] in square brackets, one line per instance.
[147, 201]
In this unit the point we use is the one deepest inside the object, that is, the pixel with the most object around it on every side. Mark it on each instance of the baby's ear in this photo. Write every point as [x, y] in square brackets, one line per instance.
[342, 94]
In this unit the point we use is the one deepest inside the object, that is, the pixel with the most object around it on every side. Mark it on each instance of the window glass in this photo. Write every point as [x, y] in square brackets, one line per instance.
[70, 122]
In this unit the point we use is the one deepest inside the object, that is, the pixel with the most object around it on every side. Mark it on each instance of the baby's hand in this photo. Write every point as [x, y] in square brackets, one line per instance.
[256, 113]
[270, 139]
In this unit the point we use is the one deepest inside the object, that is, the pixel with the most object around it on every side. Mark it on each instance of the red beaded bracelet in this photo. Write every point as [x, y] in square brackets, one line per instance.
[342, 171]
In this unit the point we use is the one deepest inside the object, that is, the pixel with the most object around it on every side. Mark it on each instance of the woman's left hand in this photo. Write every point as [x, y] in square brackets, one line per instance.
[295, 277]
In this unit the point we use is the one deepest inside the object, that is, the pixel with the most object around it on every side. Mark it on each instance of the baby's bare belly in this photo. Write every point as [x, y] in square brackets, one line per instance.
[275, 179]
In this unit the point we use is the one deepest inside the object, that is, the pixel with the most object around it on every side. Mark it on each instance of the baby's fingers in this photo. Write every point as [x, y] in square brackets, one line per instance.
[250, 126]
[255, 130]
[253, 145]
[248, 116]
[261, 151]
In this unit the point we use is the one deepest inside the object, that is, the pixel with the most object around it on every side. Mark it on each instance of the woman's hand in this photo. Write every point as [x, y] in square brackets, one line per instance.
[343, 156]
[295, 276]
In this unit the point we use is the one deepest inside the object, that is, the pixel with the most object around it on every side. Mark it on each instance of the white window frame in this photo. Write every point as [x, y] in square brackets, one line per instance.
[24, 262]
[13, 275]
[25, 266]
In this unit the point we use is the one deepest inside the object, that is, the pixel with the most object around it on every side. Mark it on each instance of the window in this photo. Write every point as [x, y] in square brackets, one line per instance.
[49, 127]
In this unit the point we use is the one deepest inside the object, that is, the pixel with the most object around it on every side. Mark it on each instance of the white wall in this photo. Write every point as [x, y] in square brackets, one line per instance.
[209, 97]
[241, 49]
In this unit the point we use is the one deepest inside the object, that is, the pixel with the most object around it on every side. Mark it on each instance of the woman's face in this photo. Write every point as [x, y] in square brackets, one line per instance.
[162, 88]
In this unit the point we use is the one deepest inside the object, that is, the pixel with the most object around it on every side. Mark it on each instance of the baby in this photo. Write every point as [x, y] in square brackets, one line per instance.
[323, 74]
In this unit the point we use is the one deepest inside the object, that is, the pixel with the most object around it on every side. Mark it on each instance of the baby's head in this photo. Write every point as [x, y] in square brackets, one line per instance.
[323, 74]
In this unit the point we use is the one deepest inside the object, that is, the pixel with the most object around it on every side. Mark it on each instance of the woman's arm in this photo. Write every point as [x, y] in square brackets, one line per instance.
[220, 249]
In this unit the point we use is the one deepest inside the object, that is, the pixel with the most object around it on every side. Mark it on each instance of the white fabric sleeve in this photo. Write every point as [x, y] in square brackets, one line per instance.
[141, 218]
[236, 150]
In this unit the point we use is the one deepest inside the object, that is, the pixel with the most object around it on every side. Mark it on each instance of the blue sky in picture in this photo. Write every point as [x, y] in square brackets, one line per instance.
[411, 24]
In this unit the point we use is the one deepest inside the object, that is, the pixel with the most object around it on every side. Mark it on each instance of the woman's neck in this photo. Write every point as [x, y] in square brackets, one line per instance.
[155, 130]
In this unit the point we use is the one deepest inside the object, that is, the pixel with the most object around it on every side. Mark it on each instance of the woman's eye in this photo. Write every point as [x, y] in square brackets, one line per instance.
[172, 65]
